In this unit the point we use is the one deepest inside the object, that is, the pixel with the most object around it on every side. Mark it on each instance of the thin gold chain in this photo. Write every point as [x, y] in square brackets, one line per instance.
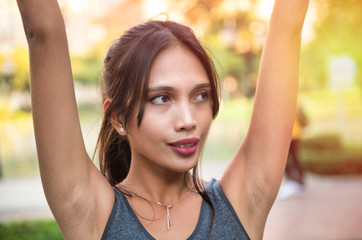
[167, 206]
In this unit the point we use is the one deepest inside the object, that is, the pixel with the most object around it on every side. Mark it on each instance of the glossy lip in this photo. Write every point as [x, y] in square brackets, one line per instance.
[186, 151]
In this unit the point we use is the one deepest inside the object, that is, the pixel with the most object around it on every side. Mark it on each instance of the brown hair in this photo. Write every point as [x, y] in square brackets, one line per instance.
[126, 72]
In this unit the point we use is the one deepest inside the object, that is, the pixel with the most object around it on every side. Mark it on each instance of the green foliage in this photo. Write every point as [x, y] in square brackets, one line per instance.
[325, 154]
[235, 36]
[87, 69]
[337, 33]
[14, 71]
[227, 62]
[30, 230]
[21, 78]
[14, 68]
[325, 149]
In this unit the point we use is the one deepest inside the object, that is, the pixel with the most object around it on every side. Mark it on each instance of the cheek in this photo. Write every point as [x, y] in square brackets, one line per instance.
[158, 122]
[153, 123]
[204, 118]
[207, 122]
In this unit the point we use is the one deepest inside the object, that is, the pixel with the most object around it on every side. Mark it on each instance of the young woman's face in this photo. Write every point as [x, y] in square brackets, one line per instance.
[177, 115]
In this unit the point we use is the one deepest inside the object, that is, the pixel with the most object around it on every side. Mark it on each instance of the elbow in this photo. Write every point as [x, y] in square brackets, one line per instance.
[41, 19]
[29, 33]
[42, 31]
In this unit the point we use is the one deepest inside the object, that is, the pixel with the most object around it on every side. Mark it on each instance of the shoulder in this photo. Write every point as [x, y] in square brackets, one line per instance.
[218, 198]
[115, 216]
[225, 221]
[123, 222]
[214, 191]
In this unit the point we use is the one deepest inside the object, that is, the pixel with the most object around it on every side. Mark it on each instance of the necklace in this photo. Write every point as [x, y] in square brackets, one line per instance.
[167, 206]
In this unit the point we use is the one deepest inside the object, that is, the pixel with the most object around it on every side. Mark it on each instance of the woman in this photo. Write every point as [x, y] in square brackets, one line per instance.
[159, 96]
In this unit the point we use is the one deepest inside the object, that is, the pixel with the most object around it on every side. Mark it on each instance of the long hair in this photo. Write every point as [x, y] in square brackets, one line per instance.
[127, 67]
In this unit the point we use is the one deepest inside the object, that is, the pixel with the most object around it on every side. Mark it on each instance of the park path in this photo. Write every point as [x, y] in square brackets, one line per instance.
[330, 208]
[22, 199]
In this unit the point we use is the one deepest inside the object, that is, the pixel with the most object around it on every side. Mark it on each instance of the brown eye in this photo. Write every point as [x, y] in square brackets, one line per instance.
[202, 97]
[162, 99]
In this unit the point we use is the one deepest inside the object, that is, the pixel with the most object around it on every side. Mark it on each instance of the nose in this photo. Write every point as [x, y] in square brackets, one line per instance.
[185, 118]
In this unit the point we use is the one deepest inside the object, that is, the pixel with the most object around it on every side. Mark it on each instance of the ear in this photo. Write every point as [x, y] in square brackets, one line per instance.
[115, 119]
[106, 103]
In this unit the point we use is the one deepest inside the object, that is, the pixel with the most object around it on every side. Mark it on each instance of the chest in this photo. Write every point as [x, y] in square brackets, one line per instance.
[161, 222]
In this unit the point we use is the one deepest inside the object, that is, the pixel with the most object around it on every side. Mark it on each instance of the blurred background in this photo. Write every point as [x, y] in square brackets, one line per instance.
[234, 31]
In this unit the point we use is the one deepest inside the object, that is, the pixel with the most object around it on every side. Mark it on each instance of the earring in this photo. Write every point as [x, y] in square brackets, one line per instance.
[121, 129]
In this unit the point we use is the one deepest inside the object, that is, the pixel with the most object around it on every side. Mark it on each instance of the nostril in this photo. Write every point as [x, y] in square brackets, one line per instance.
[187, 126]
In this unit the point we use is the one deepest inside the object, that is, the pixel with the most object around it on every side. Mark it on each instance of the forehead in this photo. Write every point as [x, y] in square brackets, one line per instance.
[177, 66]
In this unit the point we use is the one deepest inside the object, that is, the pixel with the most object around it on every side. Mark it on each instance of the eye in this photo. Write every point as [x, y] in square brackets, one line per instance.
[161, 99]
[202, 97]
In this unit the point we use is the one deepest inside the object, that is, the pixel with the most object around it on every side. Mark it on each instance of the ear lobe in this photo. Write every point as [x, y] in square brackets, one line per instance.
[117, 124]
[121, 130]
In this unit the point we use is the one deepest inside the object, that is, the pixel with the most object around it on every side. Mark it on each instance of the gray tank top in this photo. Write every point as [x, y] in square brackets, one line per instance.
[124, 224]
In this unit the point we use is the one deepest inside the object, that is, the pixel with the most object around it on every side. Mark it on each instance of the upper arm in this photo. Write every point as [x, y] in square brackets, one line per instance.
[68, 175]
[252, 179]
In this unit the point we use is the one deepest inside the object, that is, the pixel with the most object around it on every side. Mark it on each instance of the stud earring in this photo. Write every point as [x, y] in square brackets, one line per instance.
[121, 129]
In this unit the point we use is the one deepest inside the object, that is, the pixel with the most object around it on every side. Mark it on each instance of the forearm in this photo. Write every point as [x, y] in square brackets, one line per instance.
[277, 87]
[289, 14]
[279, 68]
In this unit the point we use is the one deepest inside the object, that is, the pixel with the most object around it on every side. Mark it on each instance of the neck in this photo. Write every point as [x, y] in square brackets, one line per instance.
[158, 184]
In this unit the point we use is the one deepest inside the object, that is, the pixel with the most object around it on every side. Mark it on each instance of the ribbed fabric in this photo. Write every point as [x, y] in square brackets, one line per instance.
[124, 224]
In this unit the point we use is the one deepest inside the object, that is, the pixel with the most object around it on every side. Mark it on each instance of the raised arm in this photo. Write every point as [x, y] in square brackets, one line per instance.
[68, 175]
[252, 179]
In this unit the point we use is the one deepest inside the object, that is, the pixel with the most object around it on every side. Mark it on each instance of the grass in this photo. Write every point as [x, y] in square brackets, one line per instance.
[30, 230]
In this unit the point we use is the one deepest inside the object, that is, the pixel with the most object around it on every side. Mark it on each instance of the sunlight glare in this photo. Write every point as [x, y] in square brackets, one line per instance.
[264, 9]
[230, 7]
[154, 7]
[78, 5]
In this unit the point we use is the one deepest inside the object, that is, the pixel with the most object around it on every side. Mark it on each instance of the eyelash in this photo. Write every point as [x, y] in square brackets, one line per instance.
[205, 96]
[152, 100]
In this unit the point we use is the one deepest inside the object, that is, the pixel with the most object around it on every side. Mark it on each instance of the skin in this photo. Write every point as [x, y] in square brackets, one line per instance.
[80, 197]
[179, 107]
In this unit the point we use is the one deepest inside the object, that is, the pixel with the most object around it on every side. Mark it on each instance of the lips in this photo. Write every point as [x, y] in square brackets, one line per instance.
[187, 146]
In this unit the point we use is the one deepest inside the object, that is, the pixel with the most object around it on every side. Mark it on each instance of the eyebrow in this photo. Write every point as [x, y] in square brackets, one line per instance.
[168, 88]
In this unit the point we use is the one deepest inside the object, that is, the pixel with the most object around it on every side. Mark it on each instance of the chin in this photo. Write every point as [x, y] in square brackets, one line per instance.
[187, 165]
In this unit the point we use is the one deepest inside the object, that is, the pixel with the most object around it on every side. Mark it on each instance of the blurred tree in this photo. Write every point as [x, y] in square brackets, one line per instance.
[338, 32]
[87, 69]
[14, 70]
[21, 76]
[235, 34]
